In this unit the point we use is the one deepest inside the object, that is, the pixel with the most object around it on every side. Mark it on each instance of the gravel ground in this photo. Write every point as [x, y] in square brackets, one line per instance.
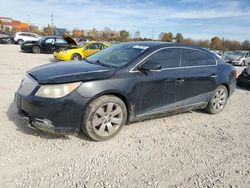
[193, 149]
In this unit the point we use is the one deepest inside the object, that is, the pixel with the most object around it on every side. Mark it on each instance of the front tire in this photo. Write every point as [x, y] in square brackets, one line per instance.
[218, 100]
[76, 57]
[36, 49]
[104, 118]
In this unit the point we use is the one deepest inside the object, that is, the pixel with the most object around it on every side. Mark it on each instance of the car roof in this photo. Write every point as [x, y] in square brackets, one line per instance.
[159, 44]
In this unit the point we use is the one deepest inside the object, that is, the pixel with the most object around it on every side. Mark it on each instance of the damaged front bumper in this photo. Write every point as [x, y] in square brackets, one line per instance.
[56, 116]
[45, 125]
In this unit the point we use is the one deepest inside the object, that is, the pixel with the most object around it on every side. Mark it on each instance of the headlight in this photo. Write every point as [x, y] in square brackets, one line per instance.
[240, 59]
[56, 90]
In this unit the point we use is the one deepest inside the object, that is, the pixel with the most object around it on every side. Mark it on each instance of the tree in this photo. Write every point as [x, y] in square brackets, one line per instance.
[216, 43]
[179, 38]
[245, 45]
[188, 41]
[203, 43]
[166, 37]
[124, 35]
[94, 34]
[137, 35]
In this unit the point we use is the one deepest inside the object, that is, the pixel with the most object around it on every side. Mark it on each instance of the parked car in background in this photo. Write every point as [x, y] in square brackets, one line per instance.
[21, 37]
[80, 53]
[46, 44]
[241, 58]
[216, 53]
[5, 39]
[225, 54]
[243, 79]
[124, 83]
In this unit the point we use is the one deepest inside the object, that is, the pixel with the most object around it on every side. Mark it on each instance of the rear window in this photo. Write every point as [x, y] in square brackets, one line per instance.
[196, 58]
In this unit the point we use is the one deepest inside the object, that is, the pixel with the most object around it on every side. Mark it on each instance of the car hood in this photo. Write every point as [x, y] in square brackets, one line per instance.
[70, 71]
[69, 40]
[3, 36]
[233, 57]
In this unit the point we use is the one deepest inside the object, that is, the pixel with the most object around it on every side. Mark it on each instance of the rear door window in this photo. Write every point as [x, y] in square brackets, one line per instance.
[49, 41]
[167, 58]
[60, 41]
[95, 46]
[192, 58]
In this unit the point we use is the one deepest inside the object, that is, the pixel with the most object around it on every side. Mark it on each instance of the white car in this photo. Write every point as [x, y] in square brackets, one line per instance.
[21, 37]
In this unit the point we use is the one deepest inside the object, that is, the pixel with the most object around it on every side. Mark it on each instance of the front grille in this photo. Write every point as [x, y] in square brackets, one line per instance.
[27, 85]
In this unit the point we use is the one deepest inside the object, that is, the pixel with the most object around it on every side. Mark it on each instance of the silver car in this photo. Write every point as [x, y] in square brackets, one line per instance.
[241, 58]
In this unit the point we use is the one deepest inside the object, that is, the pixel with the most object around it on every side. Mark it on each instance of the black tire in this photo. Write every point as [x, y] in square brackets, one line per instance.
[76, 57]
[93, 128]
[243, 63]
[216, 104]
[36, 49]
[20, 41]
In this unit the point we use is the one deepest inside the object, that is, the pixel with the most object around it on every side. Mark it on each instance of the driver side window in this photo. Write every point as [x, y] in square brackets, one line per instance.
[49, 41]
[95, 46]
[167, 58]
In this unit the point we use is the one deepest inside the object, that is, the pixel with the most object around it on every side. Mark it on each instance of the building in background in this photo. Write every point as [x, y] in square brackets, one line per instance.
[10, 25]
[33, 28]
[77, 33]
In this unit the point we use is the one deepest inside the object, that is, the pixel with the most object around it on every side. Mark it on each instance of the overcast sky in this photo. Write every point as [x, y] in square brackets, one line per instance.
[199, 19]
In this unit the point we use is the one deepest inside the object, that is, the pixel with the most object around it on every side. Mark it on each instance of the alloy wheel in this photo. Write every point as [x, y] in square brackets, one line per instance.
[36, 49]
[219, 99]
[107, 119]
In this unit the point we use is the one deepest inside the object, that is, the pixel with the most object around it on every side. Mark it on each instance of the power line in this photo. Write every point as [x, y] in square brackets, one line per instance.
[152, 34]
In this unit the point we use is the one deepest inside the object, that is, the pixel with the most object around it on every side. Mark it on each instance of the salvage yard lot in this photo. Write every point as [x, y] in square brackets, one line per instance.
[193, 149]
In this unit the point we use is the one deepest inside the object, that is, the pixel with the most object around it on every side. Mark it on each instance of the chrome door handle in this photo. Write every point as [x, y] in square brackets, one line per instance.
[179, 80]
[214, 76]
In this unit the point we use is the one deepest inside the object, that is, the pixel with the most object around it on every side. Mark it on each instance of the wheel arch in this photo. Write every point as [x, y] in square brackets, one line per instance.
[125, 100]
[227, 86]
[76, 53]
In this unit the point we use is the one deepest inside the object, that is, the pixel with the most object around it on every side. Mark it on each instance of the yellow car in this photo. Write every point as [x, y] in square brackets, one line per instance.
[80, 53]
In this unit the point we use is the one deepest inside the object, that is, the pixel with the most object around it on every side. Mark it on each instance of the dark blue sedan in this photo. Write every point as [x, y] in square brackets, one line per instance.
[124, 83]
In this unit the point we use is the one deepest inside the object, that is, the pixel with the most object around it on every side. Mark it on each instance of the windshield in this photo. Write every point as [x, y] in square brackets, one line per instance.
[239, 53]
[117, 55]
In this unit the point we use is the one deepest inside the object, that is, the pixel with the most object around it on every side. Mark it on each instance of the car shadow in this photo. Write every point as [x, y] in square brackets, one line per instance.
[53, 60]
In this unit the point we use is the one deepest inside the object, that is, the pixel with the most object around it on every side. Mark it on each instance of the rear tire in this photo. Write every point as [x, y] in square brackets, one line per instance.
[104, 118]
[36, 49]
[76, 57]
[218, 100]
[20, 41]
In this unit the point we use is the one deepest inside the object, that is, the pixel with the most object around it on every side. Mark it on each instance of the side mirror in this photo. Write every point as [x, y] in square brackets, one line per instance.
[150, 66]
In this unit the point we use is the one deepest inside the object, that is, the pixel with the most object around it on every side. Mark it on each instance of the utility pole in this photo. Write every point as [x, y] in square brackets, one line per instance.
[52, 23]
[152, 34]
